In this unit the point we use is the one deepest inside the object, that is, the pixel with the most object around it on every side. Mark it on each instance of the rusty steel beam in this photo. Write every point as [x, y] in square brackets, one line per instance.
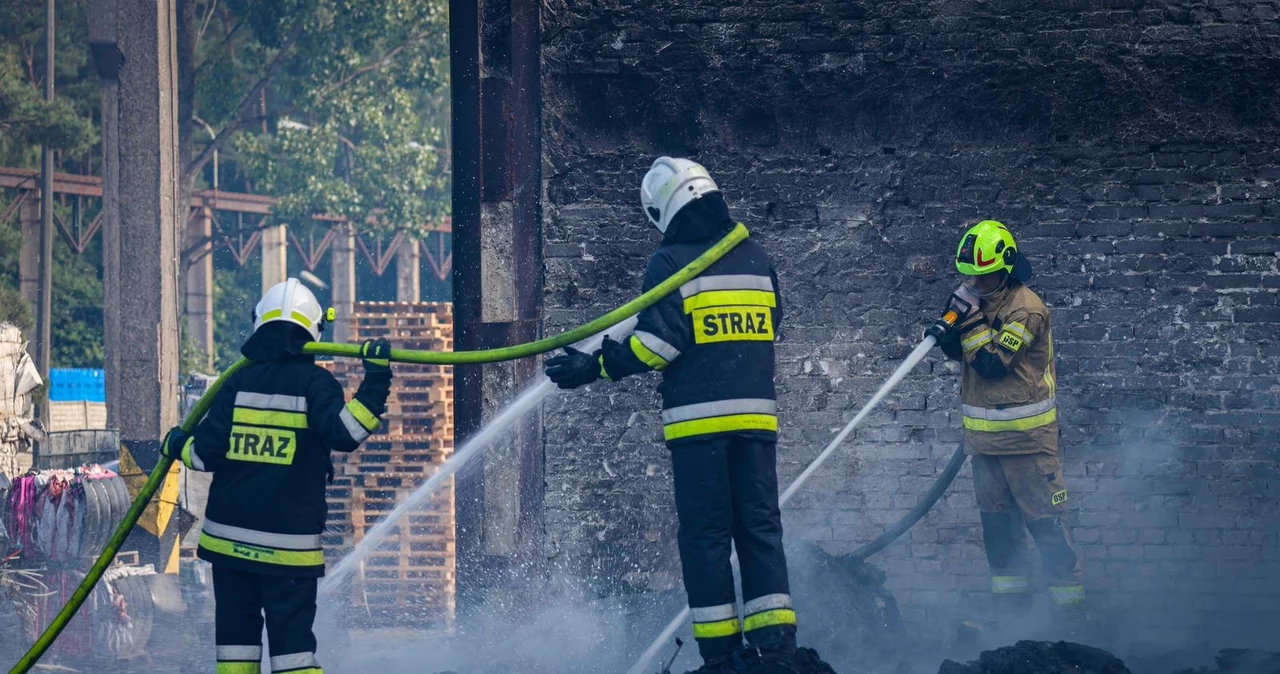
[464, 65]
[91, 186]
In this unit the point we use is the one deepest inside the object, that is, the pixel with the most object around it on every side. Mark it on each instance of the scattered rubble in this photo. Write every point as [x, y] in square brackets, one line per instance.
[803, 661]
[1240, 661]
[845, 612]
[1041, 657]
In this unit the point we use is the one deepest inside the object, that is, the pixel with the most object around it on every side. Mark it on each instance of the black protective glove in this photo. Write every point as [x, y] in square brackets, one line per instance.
[174, 442]
[375, 354]
[573, 369]
[961, 306]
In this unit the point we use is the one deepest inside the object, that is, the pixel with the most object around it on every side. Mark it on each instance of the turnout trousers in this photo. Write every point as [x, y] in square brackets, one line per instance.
[289, 604]
[1027, 488]
[726, 490]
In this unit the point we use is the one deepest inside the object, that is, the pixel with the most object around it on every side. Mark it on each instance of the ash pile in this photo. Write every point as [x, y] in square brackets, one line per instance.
[1062, 657]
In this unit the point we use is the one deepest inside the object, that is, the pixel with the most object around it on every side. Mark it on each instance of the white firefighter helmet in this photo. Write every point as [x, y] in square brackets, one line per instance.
[290, 301]
[670, 185]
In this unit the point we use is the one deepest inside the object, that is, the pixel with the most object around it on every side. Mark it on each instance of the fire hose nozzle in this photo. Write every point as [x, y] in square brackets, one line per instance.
[955, 309]
[941, 326]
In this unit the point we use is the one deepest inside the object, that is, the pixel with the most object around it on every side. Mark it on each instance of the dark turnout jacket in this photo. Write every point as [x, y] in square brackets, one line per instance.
[267, 440]
[713, 339]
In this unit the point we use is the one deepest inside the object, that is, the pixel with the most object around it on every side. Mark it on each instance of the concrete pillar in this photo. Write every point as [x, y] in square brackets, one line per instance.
[200, 284]
[343, 282]
[275, 256]
[409, 271]
[148, 239]
[29, 262]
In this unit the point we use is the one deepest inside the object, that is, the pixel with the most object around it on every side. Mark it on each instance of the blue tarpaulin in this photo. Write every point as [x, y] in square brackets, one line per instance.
[74, 384]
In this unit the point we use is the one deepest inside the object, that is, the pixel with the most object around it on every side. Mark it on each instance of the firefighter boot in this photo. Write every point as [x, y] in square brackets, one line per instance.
[729, 663]
[1012, 610]
[1062, 566]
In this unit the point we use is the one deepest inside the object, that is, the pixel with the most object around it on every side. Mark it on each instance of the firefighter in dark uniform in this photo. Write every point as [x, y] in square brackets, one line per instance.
[713, 342]
[267, 439]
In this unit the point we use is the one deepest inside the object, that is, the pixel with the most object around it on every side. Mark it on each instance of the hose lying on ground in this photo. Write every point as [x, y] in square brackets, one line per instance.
[648, 299]
[926, 503]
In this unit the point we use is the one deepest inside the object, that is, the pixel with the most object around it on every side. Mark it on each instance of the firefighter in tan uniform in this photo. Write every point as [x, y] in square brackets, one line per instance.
[1004, 337]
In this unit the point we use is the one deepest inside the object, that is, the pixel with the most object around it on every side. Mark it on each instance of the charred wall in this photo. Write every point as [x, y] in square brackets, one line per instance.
[1132, 146]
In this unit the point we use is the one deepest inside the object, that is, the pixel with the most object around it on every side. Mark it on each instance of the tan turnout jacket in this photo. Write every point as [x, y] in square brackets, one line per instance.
[1007, 396]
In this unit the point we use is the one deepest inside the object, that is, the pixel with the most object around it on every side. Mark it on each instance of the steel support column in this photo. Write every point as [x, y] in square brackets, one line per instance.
[498, 276]
[464, 65]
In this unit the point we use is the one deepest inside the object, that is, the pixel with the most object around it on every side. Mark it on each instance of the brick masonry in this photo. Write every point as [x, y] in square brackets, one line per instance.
[1132, 146]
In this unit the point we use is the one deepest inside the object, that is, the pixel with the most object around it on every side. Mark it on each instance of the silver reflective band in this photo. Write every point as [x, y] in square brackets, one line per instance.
[263, 538]
[239, 653]
[1018, 330]
[719, 408]
[1008, 413]
[712, 614]
[293, 661]
[768, 602]
[726, 282]
[656, 345]
[354, 429]
[268, 401]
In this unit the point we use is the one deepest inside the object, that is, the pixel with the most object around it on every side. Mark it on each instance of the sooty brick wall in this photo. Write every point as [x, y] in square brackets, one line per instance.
[1133, 148]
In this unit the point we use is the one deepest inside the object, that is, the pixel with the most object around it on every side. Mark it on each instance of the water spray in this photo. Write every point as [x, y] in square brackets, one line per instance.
[891, 383]
[512, 413]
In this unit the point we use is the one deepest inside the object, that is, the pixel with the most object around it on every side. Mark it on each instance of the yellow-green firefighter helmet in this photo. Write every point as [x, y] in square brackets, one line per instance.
[989, 247]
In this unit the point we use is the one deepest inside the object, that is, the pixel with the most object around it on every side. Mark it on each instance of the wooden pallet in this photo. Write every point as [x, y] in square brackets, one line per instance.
[410, 580]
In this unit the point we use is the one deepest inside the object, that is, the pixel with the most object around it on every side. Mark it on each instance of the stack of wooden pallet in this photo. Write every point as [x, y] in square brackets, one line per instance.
[409, 580]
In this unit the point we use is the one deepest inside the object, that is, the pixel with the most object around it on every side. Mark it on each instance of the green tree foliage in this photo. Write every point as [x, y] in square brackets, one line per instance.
[234, 296]
[26, 119]
[12, 307]
[334, 106]
[66, 123]
[77, 298]
[77, 307]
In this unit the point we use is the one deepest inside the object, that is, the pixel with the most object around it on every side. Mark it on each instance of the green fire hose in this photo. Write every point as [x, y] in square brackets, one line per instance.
[622, 313]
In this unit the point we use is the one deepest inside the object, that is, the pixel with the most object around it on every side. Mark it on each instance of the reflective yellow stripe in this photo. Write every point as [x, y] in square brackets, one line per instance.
[258, 553]
[1025, 424]
[1011, 341]
[1020, 330]
[293, 315]
[720, 628]
[977, 340]
[239, 668]
[362, 414]
[1049, 377]
[1010, 584]
[779, 616]
[720, 298]
[604, 374]
[647, 356]
[269, 418]
[189, 458]
[1069, 594]
[731, 422]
